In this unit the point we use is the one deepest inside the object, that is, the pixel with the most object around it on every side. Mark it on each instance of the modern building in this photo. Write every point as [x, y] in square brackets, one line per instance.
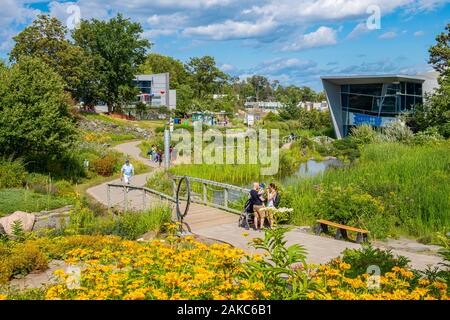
[374, 100]
[154, 90]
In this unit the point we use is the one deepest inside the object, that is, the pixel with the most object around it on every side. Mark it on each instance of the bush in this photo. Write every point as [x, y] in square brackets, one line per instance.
[397, 132]
[12, 173]
[105, 166]
[64, 188]
[367, 256]
[363, 134]
[431, 135]
[348, 205]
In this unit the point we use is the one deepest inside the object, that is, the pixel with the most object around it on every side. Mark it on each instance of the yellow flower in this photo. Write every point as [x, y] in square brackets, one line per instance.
[159, 294]
[3, 297]
[246, 295]
[424, 282]
[258, 286]
[245, 234]
[344, 266]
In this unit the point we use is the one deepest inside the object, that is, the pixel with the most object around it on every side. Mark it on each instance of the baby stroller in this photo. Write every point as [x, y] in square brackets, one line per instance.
[246, 218]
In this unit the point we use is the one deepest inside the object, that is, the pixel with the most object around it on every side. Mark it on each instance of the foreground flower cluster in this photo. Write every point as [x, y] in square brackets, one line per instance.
[185, 269]
[400, 284]
[170, 269]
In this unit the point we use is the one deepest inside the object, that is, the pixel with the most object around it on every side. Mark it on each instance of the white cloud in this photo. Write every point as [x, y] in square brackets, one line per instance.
[323, 36]
[419, 33]
[360, 29]
[232, 30]
[388, 35]
[226, 67]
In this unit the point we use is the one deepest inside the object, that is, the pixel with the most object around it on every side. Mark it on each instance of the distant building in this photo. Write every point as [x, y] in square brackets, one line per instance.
[154, 90]
[319, 106]
[264, 105]
[374, 100]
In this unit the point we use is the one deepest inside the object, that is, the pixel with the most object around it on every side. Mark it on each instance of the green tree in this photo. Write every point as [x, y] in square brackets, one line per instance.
[157, 63]
[46, 39]
[118, 48]
[435, 112]
[35, 123]
[206, 77]
[261, 87]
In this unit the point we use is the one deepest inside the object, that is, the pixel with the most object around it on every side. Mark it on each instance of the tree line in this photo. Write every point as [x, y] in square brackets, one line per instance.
[100, 61]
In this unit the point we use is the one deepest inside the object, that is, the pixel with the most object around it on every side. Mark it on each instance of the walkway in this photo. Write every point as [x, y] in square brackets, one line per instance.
[220, 225]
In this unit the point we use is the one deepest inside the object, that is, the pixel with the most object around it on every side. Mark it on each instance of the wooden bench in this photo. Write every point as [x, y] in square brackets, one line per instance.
[341, 232]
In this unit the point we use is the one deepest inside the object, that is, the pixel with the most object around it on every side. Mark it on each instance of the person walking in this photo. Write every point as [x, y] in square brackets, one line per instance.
[258, 205]
[127, 172]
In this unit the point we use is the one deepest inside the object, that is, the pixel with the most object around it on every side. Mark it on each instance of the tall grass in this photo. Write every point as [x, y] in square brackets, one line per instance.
[413, 183]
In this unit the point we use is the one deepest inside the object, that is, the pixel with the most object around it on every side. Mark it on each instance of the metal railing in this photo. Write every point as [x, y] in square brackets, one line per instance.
[144, 192]
[202, 198]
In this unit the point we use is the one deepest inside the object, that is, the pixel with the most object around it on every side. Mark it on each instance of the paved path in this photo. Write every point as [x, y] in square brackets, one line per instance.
[223, 226]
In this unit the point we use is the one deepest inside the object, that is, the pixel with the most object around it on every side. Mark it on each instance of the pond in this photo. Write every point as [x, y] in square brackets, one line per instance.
[308, 169]
[312, 168]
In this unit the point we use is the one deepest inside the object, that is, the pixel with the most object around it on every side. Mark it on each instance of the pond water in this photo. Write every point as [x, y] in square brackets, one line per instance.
[312, 168]
[308, 169]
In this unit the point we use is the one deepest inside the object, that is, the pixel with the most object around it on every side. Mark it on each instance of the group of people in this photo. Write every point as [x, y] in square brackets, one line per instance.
[155, 154]
[262, 201]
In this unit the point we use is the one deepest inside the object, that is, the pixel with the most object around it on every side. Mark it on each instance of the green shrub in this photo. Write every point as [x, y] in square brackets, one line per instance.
[64, 188]
[367, 256]
[105, 166]
[363, 134]
[12, 173]
[431, 135]
[397, 132]
[348, 205]
[132, 225]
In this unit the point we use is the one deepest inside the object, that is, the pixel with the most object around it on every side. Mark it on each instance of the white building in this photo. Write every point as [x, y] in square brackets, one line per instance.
[319, 106]
[264, 105]
[155, 90]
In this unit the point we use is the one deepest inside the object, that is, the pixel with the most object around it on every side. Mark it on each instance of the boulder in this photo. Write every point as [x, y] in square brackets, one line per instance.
[148, 236]
[27, 220]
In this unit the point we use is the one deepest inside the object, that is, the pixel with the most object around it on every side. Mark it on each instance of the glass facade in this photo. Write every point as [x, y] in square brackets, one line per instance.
[144, 86]
[377, 103]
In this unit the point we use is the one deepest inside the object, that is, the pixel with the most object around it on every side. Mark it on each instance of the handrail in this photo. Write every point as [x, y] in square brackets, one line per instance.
[145, 190]
[216, 184]
[204, 201]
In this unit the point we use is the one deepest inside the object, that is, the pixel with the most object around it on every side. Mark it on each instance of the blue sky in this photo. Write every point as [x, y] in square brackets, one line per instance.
[293, 41]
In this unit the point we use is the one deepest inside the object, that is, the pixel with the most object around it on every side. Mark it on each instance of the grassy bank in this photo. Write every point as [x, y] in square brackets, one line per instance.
[406, 189]
[12, 200]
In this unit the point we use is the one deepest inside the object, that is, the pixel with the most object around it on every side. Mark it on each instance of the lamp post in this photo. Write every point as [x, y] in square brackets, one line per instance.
[166, 148]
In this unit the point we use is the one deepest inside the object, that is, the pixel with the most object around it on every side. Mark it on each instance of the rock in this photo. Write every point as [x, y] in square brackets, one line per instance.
[2, 230]
[27, 219]
[148, 236]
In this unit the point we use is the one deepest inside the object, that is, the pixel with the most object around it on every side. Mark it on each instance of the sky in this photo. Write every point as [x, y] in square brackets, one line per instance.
[293, 41]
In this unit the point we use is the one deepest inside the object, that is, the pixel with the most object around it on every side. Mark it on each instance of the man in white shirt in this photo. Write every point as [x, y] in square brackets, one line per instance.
[127, 172]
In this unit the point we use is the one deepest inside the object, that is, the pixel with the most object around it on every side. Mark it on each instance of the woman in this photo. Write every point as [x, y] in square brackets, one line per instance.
[271, 196]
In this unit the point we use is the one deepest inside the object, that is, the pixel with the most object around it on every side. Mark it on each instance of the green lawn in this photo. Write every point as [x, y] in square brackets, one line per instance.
[12, 200]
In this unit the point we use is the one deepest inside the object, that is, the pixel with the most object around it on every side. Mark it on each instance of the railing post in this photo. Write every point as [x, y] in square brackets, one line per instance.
[144, 205]
[125, 198]
[174, 184]
[205, 194]
[108, 196]
[225, 197]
